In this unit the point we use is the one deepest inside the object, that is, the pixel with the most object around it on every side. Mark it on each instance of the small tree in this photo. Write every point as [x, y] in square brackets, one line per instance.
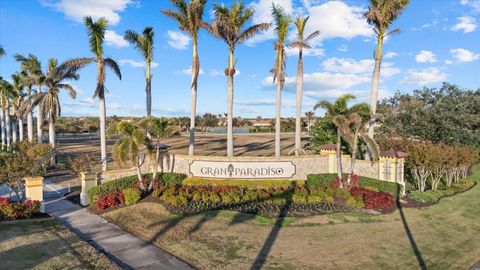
[158, 129]
[128, 149]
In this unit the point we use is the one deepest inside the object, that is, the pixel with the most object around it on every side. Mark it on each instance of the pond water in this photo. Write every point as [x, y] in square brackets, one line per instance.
[224, 131]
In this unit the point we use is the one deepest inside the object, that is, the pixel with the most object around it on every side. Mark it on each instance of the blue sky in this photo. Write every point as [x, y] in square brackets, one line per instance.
[439, 42]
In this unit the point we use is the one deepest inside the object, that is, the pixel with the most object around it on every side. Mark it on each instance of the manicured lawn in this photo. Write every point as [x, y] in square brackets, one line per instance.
[46, 244]
[442, 236]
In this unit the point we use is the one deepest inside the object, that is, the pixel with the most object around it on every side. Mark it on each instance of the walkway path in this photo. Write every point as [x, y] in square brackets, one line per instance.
[129, 251]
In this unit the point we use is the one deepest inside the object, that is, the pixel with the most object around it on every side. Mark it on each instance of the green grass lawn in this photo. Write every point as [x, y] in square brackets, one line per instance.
[46, 244]
[442, 236]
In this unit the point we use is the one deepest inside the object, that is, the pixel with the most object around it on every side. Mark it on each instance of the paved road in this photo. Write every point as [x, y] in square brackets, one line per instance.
[129, 251]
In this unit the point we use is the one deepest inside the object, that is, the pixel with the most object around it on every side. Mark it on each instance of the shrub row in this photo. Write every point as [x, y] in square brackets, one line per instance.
[326, 180]
[433, 196]
[243, 183]
[16, 210]
[120, 184]
[372, 199]
[110, 200]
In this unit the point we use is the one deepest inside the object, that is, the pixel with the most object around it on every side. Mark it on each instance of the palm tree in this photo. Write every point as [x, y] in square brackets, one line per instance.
[229, 26]
[144, 44]
[309, 116]
[129, 147]
[96, 35]
[49, 101]
[158, 129]
[300, 43]
[32, 68]
[6, 91]
[189, 19]
[381, 14]
[17, 100]
[282, 21]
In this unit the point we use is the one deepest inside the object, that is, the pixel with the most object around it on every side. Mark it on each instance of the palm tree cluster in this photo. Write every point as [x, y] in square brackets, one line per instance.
[34, 89]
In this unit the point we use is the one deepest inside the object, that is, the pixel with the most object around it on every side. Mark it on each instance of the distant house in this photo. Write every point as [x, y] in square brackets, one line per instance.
[261, 122]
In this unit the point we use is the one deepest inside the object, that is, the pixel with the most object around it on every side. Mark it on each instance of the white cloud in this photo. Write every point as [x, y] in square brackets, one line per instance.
[266, 102]
[135, 64]
[463, 55]
[466, 24]
[77, 9]
[426, 57]
[114, 39]
[178, 40]
[390, 55]
[364, 66]
[474, 4]
[188, 71]
[424, 76]
[448, 62]
[427, 25]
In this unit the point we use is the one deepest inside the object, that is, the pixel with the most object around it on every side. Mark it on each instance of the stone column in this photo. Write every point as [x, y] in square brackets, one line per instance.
[332, 159]
[89, 180]
[391, 167]
[34, 190]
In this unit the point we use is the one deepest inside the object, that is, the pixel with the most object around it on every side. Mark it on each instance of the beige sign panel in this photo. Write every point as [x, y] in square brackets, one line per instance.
[242, 169]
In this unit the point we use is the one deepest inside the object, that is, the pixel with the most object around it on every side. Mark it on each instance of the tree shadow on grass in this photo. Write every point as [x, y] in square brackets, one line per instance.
[418, 254]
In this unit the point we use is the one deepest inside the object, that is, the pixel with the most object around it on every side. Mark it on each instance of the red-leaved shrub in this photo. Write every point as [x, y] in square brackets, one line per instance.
[373, 199]
[110, 200]
[16, 210]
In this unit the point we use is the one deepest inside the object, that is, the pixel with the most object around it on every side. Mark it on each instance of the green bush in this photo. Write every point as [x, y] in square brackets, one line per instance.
[172, 178]
[433, 196]
[132, 196]
[111, 187]
[325, 180]
[322, 180]
[260, 184]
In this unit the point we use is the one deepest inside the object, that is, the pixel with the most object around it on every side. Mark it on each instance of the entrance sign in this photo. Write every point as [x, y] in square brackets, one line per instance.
[242, 169]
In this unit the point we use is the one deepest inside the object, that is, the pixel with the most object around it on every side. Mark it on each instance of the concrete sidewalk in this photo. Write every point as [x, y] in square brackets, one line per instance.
[129, 251]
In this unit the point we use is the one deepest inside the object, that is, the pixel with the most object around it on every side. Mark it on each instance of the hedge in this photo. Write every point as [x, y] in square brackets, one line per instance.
[326, 180]
[262, 184]
[120, 184]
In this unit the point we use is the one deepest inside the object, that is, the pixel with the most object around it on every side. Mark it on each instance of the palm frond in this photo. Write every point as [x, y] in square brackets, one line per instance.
[252, 31]
[114, 66]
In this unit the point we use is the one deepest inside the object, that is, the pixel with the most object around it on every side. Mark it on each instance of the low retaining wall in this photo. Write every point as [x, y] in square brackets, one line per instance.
[388, 169]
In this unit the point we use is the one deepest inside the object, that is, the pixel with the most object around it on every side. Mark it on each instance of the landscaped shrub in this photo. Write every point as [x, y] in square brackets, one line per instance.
[324, 180]
[433, 196]
[132, 195]
[372, 199]
[16, 210]
[110, 200]
[243, 183]
[172, 178]
[355, 202]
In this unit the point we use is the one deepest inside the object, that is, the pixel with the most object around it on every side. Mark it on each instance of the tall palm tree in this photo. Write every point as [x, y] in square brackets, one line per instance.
[282, 21]
[33, 76]
[381, 14]
[301, 42]
[49, 101]
[229, 26]
[189, 19]
[5, 94]
[17, 100]
[96, 35]
[144, 44]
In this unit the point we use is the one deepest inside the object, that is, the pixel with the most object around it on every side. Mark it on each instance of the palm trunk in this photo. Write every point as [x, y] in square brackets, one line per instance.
[2, 125]
[278, 119]
[230, 105]
[148, 91]
[298, 120]
[193, 109]
[139, 175]
[103, 138]
[375, 87]
[155, 169]
[20, 129]
[30, 126]
[14, 131]
[51, 135]
[7, 129]
[354, 154]
[39, 125]
[339, 154]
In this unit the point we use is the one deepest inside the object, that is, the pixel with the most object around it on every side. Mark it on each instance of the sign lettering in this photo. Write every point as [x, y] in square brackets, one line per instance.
[242, 169]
